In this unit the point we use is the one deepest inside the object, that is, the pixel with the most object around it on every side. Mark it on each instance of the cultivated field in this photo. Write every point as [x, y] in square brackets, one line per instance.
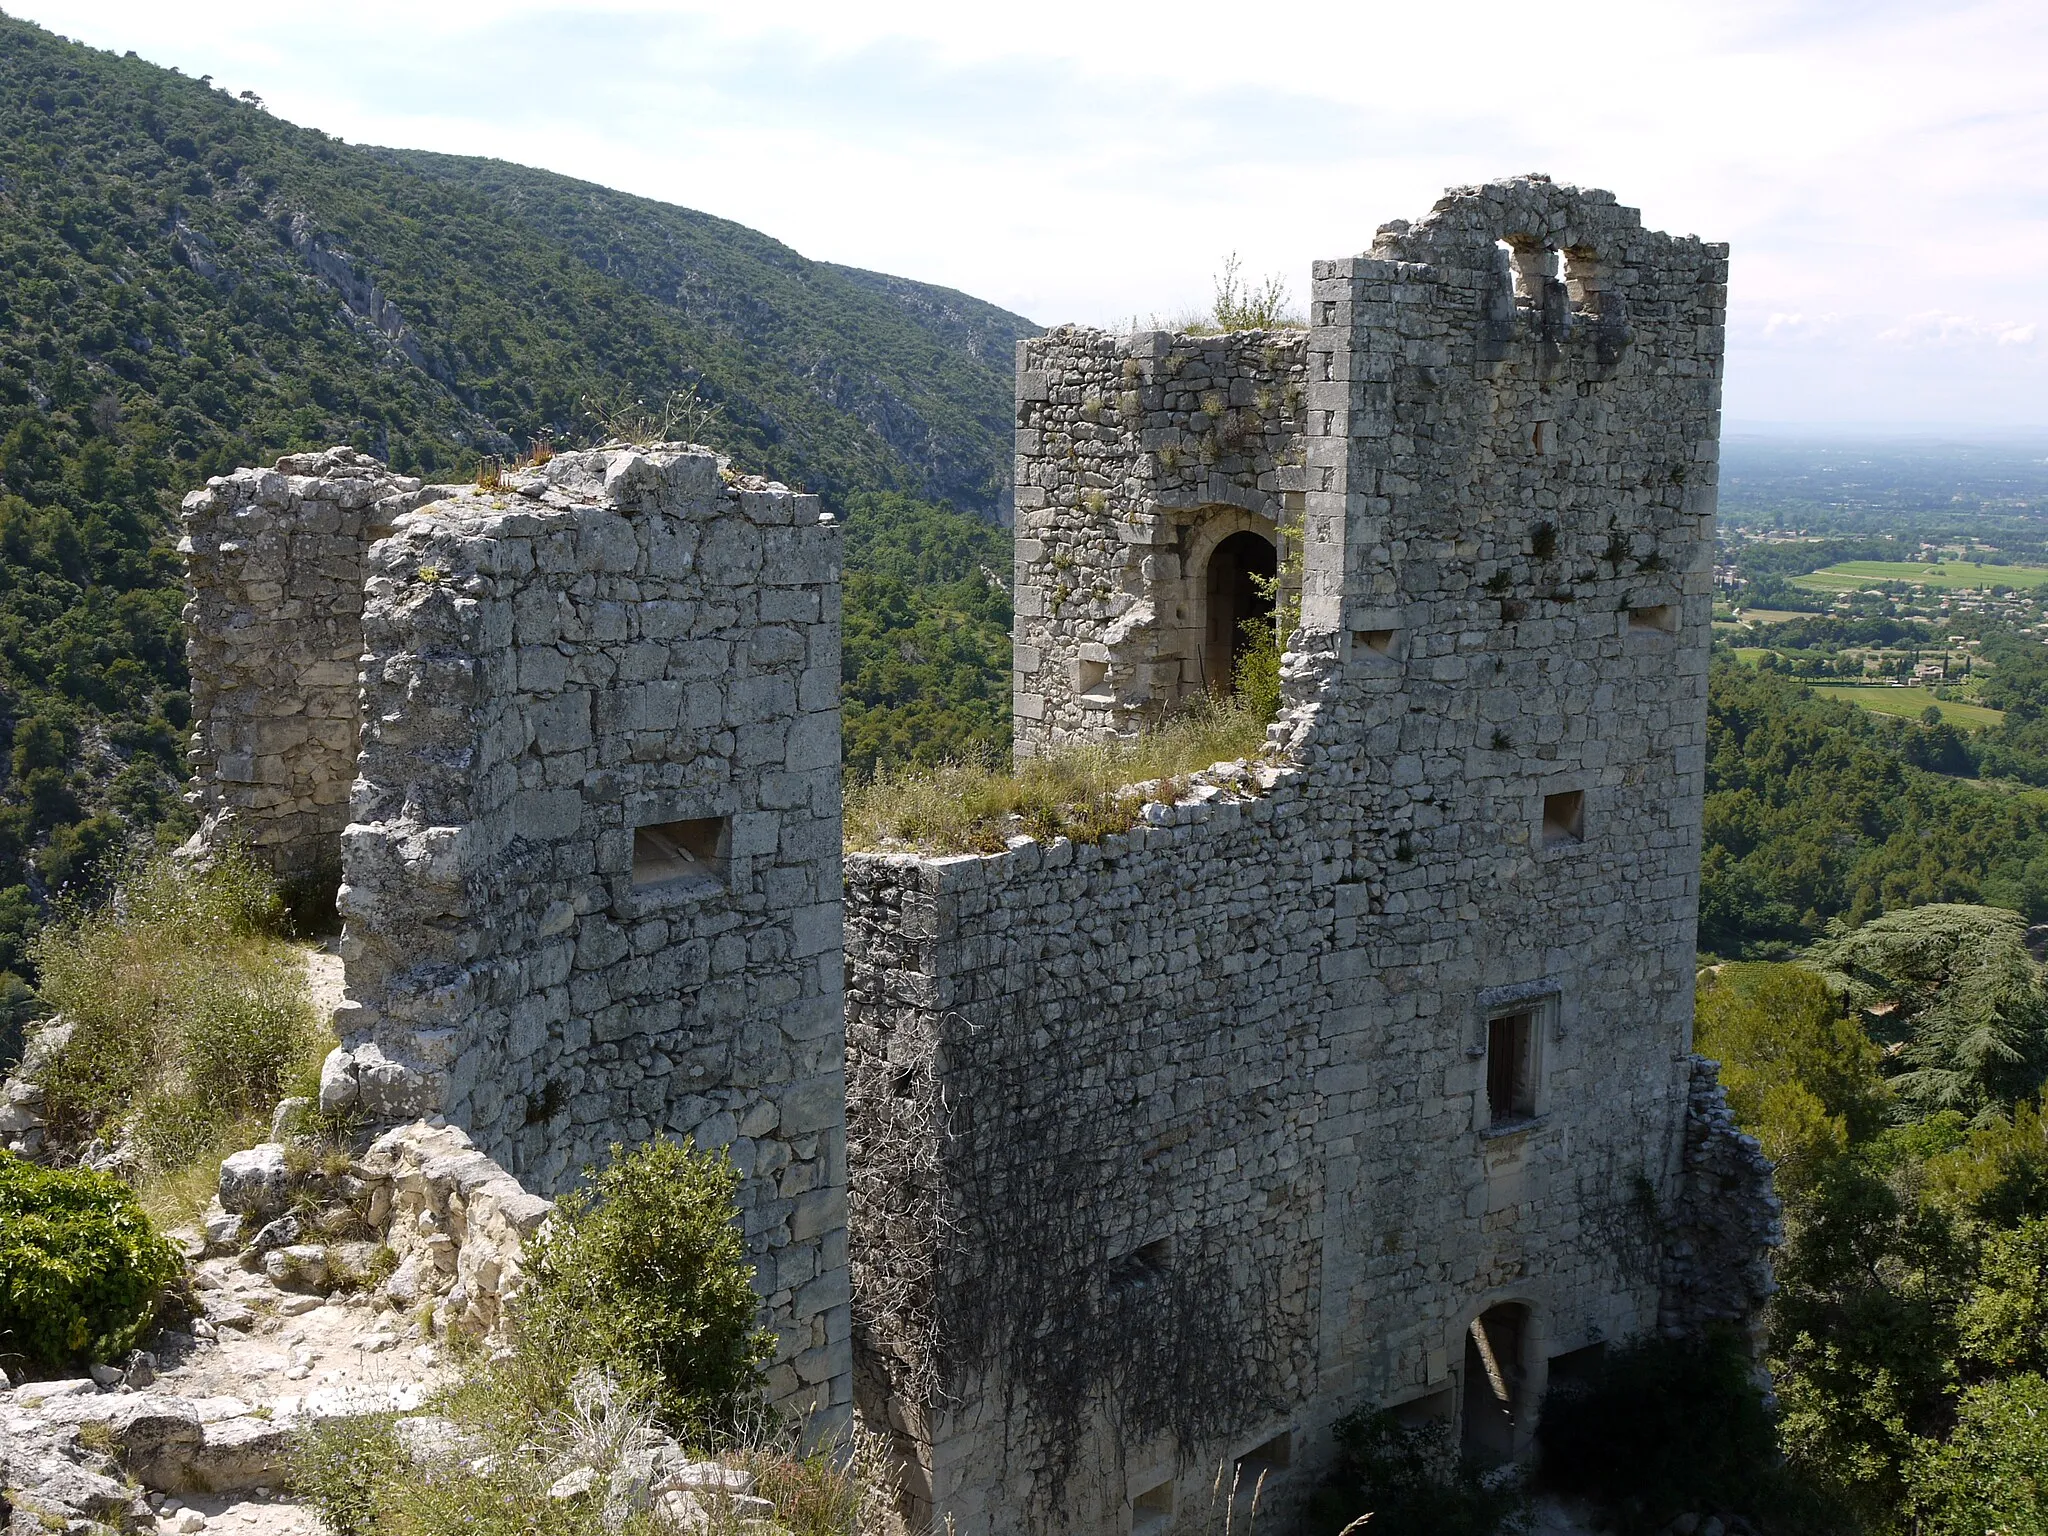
[1952, 576]
[1880, 699]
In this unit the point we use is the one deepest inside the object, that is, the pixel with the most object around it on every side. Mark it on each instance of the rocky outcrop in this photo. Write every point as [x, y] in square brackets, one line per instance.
[22, 1128]
[420, 1219]
[336, 1279]
[454, 1220]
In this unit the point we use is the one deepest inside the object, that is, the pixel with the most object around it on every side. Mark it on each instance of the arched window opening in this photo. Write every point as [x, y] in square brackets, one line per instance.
[1233, 599]
[1495, 1376]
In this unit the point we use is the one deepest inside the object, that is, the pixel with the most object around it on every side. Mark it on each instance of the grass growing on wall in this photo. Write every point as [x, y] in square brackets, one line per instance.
[1085, 793]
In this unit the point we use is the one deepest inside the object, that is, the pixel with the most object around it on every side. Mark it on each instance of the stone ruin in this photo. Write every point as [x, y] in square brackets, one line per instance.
[571, 748]
[1106, 1179]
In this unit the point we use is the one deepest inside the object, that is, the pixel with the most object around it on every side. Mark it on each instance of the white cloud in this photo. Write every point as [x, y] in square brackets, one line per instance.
[1089, 161]
[1938, 328]
[1800, 327]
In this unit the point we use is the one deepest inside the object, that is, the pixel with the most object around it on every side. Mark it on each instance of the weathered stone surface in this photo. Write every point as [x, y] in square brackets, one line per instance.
[297, 1267]
[255, 1182]
[155, 1437]
[1728, 1219]
[44, 1487]
[274, 569]
[1137, 456]
[239, 1453]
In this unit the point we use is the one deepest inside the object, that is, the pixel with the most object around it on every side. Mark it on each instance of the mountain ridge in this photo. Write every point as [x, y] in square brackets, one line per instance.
[188, 284]
[749, 287]
[527, 303]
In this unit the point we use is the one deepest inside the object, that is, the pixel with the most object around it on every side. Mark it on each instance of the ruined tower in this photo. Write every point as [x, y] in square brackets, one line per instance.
[1359, 1078]
[588, 722]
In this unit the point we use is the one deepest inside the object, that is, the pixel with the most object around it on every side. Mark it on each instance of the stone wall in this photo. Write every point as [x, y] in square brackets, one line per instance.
[1136, 456]
[1717, 1269]
[590, 869]
[274, 574]
[1216, 1157]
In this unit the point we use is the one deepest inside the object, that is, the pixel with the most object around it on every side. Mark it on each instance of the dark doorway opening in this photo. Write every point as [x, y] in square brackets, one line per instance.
[1233, 599]
[1494, 1390]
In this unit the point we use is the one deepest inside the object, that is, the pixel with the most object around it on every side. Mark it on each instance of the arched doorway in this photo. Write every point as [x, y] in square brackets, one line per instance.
[1496, 1395]
[1231, 598]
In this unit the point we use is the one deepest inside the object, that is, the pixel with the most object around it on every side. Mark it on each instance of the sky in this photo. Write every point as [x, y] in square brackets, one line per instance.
[1880, 168]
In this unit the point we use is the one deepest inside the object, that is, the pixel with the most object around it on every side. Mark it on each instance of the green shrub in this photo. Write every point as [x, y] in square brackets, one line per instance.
[188, 1013]
[80, 1266]
[644, 1274]
[1799, 1072]
[341, 1465]
[1255, 675]
[1991, 1475]
[1663, 1426]
[1409, 1478]
[2003, 1325]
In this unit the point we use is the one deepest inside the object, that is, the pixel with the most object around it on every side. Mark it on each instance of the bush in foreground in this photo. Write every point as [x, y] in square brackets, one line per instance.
[1667, 1426]
[644, 1273]
[80, 1266]
[1410, 1480]
[637, 1312]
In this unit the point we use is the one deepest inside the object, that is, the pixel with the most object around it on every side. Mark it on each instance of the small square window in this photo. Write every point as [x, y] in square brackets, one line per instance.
[1152, 1510]
[1510, 1068]
[1379, 642]
[1264, 1462]
[1564, 817]
[1661, 618]
[682, 850]
[1091, 677]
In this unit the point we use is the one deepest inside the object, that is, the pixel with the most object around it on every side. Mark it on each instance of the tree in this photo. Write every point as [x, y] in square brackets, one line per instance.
[1798, 1070]
[1959, 997]
[1990, 1476]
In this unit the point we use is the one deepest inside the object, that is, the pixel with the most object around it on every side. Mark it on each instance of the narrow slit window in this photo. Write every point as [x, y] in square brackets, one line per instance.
[1564, 818]
[1657, 618]
[1379, 642]
[1510, 1068]
[695, 850]
[1152, 1510]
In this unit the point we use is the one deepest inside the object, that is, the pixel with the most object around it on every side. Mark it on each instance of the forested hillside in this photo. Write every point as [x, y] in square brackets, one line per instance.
[191, 284]
[927, 642]
[1818, 810]
[936, 391]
